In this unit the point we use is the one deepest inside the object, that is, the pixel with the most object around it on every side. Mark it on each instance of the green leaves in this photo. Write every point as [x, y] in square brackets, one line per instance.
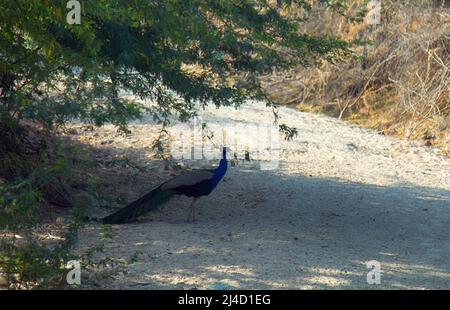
[61, 71]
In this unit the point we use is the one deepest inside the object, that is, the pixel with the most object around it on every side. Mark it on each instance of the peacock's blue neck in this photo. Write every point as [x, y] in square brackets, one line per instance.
[221, 170]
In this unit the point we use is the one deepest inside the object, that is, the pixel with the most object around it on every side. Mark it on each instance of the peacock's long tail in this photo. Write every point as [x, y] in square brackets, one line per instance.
[150, 201]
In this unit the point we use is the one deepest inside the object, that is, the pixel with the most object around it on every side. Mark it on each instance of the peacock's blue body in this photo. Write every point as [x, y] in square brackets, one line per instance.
[195, 183]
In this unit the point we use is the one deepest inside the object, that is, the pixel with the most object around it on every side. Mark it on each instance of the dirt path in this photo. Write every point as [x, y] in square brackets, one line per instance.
[341, 196]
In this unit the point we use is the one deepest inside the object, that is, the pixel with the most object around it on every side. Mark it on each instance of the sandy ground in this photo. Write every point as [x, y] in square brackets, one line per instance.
[338, 197]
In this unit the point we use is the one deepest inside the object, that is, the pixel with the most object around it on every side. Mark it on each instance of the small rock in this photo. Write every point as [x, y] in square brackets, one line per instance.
[180, 166]
[352, 147]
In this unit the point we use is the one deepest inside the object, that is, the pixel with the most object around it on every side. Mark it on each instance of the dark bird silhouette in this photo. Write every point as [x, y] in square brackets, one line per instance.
[195, 183]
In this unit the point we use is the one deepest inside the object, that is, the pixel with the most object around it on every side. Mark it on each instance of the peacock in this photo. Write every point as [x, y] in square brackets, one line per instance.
[194, 183]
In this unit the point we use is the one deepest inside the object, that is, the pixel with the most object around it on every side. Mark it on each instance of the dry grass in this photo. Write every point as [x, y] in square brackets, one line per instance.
[399, 85]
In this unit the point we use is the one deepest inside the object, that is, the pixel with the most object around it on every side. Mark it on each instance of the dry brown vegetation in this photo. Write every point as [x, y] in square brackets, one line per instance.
[398, 85]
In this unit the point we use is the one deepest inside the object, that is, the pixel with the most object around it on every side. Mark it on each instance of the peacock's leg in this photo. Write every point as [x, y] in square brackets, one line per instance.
[192, 211]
